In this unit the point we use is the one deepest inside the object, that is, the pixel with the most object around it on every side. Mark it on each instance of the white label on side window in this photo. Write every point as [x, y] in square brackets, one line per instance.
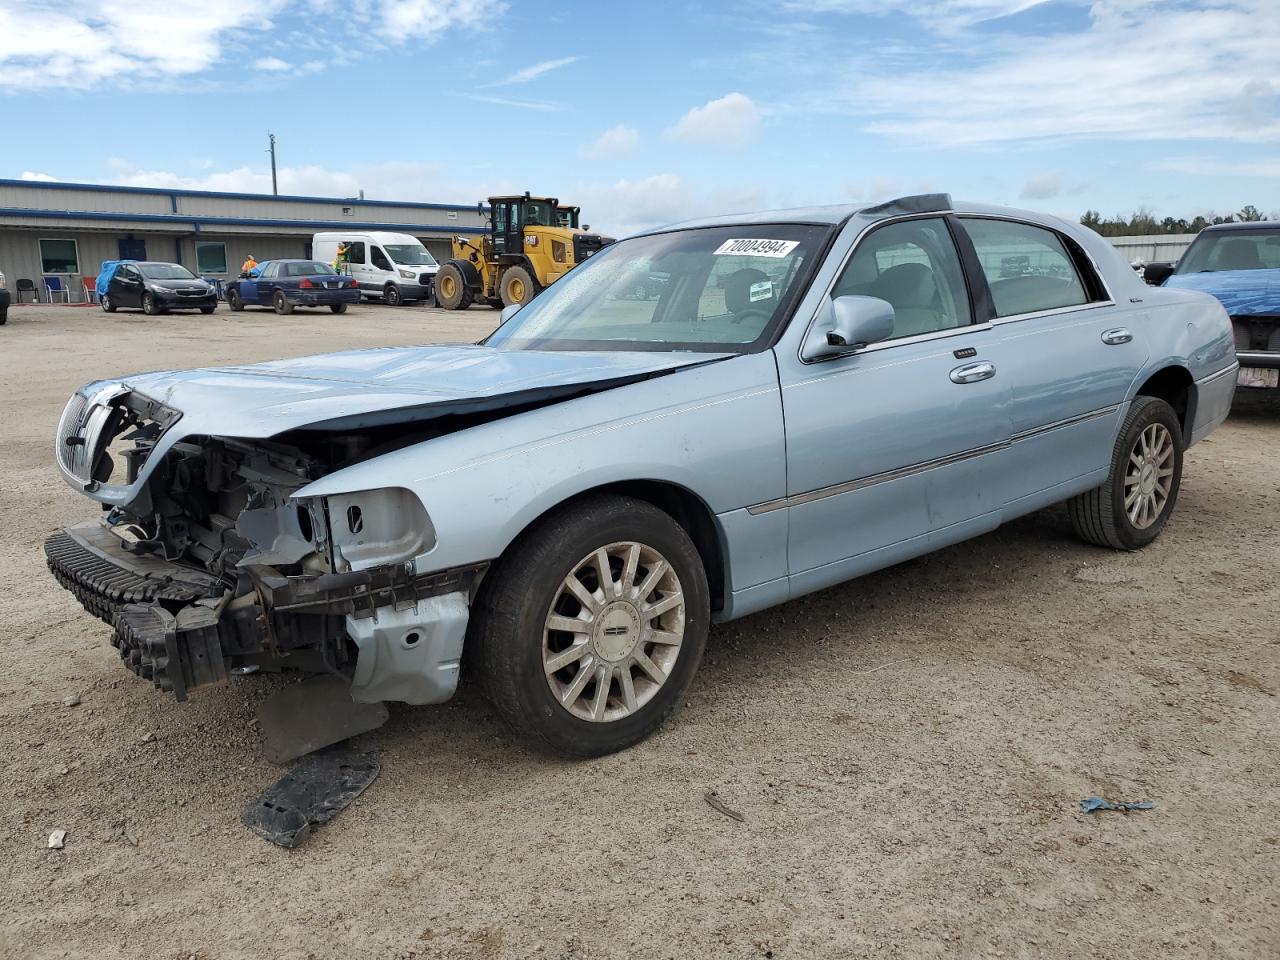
[761, 291]
[756, 248]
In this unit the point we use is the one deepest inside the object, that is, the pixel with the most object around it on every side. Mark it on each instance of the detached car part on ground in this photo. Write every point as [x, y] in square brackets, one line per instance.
[1239, 264]
[812, 395]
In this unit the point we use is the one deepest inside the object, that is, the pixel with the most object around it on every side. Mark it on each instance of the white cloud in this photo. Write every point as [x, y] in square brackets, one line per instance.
[939, 14]
[1043, 186]
[29, 175]
[272, 64]
[730, 121]
[384, 181]
[546, 106]
[626, 206]
[1126, 77]
[526, 74]
[82, 43]
[615, 142]
[1217, 167]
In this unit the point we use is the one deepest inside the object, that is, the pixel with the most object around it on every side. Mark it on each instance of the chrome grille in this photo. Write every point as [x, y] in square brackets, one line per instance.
[72, 458]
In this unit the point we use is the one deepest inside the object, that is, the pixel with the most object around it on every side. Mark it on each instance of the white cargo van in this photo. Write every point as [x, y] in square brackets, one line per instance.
[391, 267]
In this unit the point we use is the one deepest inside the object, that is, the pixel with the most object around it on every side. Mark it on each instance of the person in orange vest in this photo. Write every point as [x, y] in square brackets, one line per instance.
[249, 264]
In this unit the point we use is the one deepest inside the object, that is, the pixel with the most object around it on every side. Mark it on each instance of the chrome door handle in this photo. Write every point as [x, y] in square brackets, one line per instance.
[973, 372]
[1117, 336]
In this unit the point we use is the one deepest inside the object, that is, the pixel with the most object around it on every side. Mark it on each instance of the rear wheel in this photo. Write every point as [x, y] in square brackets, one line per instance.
[106, 304]
[1131, 508]
[517, 287]
[452, 291]
[391, 295]
[338, 307]
[590, 628]
[281, 303]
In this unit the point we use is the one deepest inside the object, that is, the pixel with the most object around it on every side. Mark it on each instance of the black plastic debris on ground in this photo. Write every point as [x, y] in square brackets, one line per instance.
[312, 793]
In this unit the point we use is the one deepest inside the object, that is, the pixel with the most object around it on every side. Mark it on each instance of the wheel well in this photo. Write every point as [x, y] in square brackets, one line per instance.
[688, 510]
[1175, 387]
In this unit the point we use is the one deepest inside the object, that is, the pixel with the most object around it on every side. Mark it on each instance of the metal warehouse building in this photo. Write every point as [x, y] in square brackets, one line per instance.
[66, 230]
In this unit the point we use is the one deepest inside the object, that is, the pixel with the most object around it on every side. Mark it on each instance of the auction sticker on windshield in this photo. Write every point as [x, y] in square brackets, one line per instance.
[756, 248]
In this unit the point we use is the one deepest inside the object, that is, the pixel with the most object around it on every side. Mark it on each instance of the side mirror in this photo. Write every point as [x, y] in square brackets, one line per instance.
[1157, 273]
[850, 323]
[508, 313]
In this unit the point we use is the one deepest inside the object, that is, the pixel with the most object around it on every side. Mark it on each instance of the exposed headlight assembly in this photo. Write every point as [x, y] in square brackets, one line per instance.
[374, 528]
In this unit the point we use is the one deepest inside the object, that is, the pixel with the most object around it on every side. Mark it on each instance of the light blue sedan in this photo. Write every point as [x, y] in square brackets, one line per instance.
[812, 395]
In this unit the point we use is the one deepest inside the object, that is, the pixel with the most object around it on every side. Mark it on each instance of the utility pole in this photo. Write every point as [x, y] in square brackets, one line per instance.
[271, 139]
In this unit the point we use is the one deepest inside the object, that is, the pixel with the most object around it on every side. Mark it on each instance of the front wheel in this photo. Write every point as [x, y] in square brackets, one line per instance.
[391, 295]
[1131, 508]
[234, 301]
[149, 305]
[588, 631]
[281, 303]
[338, 307]
[206, 310]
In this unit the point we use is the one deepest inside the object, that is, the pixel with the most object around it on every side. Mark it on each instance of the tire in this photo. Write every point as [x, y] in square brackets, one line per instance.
[338, 308]
[391, 295]
[452, 291]
[517, 286]
[206, 310]
[149, 305]
[106, 304]
[1100, 515]
[509, 637]
[281, 304]
[495, 302]
[234, 301]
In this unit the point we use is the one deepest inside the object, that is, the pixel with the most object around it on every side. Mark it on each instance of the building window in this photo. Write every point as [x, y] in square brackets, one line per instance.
[59, 256]
[211, 257]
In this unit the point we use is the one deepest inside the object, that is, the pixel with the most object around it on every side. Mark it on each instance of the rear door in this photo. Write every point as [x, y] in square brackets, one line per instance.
[125, 289]
[1074, 353]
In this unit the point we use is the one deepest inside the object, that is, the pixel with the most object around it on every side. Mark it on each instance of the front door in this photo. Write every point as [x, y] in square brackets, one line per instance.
[898, 445]
[507, 228]
[131, 249]
[1077, 355]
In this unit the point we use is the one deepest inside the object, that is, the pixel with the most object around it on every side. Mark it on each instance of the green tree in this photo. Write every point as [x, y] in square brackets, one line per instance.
[1249, 214]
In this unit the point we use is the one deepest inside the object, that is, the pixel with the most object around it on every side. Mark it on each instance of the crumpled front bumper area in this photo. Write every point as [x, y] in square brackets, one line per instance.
[164, 614]
[181, 627]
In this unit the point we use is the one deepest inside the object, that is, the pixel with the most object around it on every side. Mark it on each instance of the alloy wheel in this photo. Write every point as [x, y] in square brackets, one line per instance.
[613, 633]
[1148, 479]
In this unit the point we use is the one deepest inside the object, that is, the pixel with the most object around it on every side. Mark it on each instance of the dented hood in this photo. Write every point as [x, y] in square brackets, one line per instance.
[357, 388]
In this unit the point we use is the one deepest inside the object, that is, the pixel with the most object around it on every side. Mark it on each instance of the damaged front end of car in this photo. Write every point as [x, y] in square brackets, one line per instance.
[208, 562]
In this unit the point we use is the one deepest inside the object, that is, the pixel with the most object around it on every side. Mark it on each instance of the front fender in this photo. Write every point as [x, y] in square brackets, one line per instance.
[716, 430]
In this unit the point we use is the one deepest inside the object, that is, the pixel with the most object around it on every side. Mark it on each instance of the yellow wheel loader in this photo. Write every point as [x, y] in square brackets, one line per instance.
[530, 243]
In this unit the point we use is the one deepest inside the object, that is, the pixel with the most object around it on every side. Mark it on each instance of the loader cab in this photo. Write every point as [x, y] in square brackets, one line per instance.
[567, 217]
[511, 216]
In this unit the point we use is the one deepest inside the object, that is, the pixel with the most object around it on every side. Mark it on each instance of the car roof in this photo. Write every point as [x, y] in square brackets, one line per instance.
[838, 213]
[1243, 225]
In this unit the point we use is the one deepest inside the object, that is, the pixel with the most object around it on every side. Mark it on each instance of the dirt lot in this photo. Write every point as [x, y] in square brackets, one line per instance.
[907, 751]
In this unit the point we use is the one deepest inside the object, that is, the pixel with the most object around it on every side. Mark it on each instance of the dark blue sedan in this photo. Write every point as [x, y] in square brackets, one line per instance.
[285, 284]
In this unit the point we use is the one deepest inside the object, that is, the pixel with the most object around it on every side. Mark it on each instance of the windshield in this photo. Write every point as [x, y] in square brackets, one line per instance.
[1232, 250]
[722, 289]
[165, 271]
[409, 254]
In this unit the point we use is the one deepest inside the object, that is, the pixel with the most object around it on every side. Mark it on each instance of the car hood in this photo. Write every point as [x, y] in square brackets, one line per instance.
[192, 284]
[1242, 292]
[359, 388]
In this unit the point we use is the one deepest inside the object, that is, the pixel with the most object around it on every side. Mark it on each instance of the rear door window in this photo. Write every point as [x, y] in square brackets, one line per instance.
[1028, 268]
[355, 251]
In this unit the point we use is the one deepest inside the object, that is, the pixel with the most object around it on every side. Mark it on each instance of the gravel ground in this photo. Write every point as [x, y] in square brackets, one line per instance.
[907, 752]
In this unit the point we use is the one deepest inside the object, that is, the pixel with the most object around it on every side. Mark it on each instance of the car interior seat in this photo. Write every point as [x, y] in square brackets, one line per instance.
[737, 294]
[913, 291]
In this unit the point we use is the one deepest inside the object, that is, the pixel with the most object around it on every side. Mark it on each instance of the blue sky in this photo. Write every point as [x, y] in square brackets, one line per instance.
[651, 112]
